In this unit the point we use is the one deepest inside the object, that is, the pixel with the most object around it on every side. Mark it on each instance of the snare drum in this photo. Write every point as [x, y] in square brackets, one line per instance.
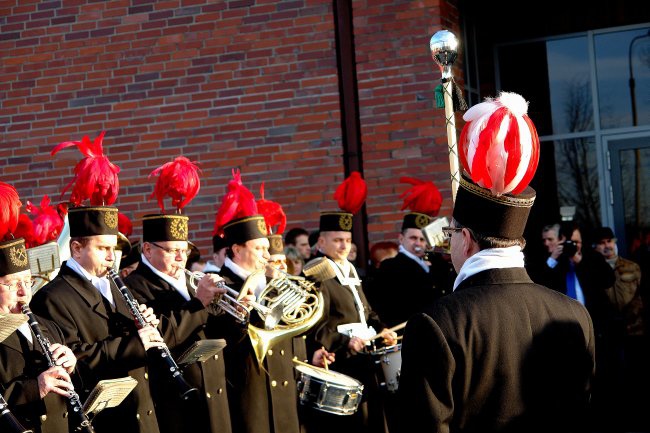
[390, 358]
[328, 391]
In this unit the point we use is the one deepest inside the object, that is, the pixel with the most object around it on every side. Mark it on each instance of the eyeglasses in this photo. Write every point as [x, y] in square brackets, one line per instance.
[172, 251]
[448, 231]
[13, 287]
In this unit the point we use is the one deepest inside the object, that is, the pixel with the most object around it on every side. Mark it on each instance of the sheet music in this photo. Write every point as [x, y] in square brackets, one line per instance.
[201, 351]
[108, 393]
[9, 323]
[44, 258]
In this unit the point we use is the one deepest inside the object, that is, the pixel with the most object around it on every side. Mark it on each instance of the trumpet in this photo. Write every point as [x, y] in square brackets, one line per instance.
[229, 302]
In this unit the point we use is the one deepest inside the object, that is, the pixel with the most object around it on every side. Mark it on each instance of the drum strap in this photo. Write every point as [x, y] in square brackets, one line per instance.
[351, 283]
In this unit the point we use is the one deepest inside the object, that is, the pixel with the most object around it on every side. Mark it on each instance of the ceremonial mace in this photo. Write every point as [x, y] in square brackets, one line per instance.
[444, 50]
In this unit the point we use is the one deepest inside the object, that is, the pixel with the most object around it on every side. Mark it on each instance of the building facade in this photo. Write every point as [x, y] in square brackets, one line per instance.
[296, 94]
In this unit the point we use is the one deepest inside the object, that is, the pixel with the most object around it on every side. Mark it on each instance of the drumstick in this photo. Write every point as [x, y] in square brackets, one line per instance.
[325, 361]
[393, 329]
[299, 362]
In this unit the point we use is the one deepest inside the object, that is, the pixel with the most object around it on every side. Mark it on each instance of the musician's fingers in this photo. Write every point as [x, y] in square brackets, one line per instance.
[248, 300]
[61, 374]
[61, 387]
[58, 350]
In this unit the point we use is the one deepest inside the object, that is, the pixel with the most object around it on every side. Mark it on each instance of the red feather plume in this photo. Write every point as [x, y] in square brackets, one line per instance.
[238, 202]
[178, 179]
[351, 193]
[95, 176]
[9, 210]
[48, 223]
[25, 230]
[272, 212]
[423, 197]
[124, 224]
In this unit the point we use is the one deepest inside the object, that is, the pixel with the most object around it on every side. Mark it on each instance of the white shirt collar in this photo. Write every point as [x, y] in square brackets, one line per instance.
[244, 274]
[179, 284]
[101, 284]
[491, 258]
[237, 270]
[412, 256]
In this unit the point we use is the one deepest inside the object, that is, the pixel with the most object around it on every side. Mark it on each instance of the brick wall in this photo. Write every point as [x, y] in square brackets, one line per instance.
[231, 84]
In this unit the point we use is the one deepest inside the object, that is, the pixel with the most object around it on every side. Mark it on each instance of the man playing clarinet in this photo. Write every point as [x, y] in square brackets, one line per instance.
[96, 321]
[35, 392]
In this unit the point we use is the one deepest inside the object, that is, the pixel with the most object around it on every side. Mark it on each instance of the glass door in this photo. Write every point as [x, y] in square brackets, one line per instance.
[629, 158]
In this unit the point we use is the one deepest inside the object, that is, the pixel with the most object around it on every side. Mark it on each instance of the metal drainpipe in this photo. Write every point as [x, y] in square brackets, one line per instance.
[350, 125]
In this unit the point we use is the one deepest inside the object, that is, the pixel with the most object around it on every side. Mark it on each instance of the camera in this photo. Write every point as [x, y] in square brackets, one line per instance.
[570, 248]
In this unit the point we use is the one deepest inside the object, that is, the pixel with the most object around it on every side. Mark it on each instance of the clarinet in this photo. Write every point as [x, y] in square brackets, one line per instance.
[185, 389]
[8, 420]
[73, 398]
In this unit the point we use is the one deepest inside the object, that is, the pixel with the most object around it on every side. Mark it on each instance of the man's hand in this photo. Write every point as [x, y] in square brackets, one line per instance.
[557, 251]
[63, 357]
[54, 379]
[249, 298]
[209, 288]
[356, 344]
[390, 337]
[148, 315]
[577, 257]
[150, 337]
[322, 358]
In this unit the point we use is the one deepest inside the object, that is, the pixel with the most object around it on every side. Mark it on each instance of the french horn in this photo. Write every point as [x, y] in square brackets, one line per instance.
[301, 304]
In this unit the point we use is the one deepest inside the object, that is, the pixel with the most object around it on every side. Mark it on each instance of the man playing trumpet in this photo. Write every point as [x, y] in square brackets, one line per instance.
[186, 311]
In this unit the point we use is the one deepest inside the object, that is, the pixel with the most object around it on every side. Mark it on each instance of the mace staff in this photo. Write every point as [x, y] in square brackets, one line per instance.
[444, 50]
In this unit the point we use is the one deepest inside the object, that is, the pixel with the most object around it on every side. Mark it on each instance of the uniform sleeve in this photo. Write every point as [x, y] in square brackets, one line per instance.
[21, 390]
[176, 324]
[428, 367]
[123, 351]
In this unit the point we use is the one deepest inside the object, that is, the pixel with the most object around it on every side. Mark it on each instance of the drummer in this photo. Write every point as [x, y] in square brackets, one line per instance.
[348, 322]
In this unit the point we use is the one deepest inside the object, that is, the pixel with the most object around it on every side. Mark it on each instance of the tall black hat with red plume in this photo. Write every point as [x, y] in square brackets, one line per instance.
[238, 219]
[13, 256]
[95, 180]
[350, 195]
[499, 150]
[178, 180]
[423, 199]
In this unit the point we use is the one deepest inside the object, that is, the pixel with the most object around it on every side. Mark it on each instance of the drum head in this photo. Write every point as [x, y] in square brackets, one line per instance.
[328, 376]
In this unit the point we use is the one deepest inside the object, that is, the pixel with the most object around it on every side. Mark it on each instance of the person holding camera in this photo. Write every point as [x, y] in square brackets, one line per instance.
[583, 274]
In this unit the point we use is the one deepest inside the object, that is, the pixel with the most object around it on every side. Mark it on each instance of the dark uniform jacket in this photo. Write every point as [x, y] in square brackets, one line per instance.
[262, 399]
[595, 277]
[501, 354]
[106, 340]
[182, 323]
[340, 308]
[20, 364]
[400, 287]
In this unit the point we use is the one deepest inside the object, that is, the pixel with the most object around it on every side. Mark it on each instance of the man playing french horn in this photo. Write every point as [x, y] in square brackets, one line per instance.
[263, 397]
